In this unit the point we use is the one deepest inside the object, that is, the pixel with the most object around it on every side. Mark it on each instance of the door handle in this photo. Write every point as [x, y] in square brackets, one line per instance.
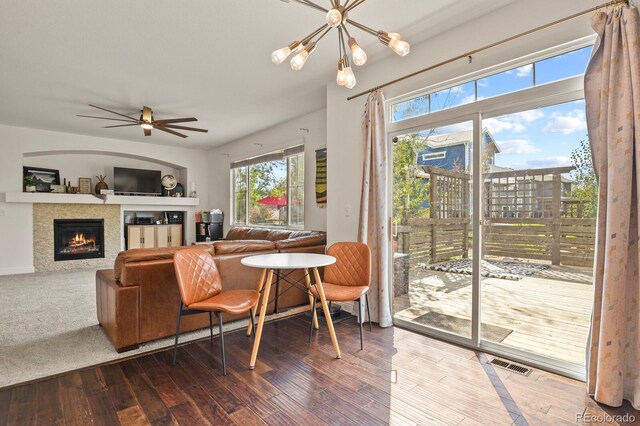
[395, 232]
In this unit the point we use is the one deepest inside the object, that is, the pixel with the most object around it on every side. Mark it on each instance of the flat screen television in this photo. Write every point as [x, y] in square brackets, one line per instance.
[136, 181]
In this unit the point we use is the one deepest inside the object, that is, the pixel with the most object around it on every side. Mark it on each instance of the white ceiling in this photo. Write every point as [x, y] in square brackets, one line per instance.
[209, 59]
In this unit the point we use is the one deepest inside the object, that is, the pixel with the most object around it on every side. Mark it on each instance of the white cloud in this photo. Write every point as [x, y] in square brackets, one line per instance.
[496, 126]
[468, 99]
[517, 147]
[528, 116]
[514, 123]
[524, 71]
[572, 121]
[483, 82]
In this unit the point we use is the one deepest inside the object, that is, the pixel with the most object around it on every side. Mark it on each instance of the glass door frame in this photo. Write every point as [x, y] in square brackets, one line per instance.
[568, 90]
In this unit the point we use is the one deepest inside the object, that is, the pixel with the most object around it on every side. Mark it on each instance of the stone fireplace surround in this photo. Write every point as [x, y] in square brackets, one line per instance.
[43, 216]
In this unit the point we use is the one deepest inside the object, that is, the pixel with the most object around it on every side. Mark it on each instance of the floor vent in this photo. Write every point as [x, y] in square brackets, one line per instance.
[516, 368]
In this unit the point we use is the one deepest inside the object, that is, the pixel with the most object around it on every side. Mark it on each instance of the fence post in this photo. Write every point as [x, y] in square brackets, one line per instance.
[556, 221]
[433, 213]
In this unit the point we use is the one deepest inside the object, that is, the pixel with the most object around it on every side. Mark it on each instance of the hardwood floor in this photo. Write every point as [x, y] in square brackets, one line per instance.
[399, 378]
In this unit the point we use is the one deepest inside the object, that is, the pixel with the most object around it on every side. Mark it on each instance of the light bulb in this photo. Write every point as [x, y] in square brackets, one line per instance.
[341, 77]
[146, 126]
[358, 55]
[278, 56]
[394, 36]
[299, 60]
[350, 82]
[401, 48]
[334, 18]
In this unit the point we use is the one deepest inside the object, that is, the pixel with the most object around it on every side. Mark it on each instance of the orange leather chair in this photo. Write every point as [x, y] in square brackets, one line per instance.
[201, 291]
[347, 280]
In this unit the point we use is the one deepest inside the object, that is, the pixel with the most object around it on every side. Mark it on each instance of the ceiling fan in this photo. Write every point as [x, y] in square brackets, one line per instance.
[147, 122]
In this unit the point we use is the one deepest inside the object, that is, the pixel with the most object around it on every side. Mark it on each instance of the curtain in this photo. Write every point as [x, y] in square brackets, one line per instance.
[612, 96]
[374, 215]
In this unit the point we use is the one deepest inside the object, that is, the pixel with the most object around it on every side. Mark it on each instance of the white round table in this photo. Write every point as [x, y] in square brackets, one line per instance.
[271, 262]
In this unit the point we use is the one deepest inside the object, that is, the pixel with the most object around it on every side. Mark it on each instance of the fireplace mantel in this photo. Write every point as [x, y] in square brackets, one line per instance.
[55, 198]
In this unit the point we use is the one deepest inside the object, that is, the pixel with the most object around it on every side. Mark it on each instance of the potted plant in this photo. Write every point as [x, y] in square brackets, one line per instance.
[30, 183]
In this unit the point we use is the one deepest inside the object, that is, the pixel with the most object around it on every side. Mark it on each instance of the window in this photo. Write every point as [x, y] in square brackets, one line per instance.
[556, 68]
[269, 190]
[434, 156]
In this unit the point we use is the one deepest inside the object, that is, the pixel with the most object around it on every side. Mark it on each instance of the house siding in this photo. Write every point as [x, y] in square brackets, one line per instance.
[452, 153]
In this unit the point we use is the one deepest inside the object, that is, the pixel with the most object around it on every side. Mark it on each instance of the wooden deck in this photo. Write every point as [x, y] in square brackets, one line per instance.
[399, 378]
[549, 312]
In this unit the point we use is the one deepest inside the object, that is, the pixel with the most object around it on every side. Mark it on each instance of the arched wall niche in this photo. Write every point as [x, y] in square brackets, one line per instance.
[74, 164]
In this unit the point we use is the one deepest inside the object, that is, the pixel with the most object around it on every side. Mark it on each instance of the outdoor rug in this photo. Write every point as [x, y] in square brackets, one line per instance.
[462, 326]
[492, 269]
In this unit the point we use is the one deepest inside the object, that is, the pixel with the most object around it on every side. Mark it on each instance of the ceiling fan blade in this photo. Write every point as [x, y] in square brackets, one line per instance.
[104, 118]
[171, 131]
[120, 125]
[176, 120]
[113, 112]
[147, 132]
[172, 126]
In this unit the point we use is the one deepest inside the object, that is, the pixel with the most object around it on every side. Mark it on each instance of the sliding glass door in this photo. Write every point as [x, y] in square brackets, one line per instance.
[433, 234]
[494, 203]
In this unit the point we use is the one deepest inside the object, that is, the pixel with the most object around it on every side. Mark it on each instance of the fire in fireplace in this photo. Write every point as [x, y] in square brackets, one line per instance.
[76, 239]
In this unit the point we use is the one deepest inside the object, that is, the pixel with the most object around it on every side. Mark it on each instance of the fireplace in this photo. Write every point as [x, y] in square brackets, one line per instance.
[75, 239]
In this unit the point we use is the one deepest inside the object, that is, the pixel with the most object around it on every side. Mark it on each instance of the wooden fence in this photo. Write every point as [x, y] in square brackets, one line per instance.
[528, 215]
[444, 234]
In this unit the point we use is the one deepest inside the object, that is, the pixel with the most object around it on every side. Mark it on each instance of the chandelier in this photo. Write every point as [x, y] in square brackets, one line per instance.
[337, 17]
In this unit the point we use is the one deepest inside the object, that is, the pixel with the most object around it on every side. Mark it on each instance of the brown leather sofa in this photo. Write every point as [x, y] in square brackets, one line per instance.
[137, 300]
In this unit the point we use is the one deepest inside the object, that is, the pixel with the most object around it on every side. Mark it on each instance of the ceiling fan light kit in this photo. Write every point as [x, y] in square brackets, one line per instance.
[337, 17]
[147, 122]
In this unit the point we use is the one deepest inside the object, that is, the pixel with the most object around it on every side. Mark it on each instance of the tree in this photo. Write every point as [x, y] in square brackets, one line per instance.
[410, 190]
[585, 184]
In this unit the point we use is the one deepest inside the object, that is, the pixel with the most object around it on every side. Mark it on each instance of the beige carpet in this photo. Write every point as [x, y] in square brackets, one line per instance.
[48, 326]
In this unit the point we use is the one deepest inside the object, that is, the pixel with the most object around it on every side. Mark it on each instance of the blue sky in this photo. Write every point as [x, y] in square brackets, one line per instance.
[537, 138]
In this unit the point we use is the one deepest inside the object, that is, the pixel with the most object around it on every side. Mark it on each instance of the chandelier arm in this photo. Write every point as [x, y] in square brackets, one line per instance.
[363, 27]
[323, 34]
[311, 5]
[354, 5]
[313, 34]
[346, 4]
[344, 48]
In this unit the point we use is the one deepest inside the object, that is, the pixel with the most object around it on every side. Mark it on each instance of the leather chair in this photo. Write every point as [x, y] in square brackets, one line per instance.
[347, 280]
[201, 291]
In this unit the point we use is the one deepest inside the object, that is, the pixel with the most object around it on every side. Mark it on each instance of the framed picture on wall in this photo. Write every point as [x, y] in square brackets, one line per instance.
[84, 185]
[45, 177]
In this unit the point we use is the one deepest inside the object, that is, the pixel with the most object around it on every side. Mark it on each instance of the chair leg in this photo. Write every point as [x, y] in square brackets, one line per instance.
[366, 297]
[175, 345]
[252, 318]
[313, 312]
[211, 326]
[360, 321]
[224, 360]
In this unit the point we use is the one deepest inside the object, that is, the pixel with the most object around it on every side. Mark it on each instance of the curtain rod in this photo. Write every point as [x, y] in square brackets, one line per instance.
[489, 46]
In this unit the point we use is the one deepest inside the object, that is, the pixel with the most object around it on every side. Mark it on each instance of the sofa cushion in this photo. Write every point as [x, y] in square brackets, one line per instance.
[148, 254]
[247, 233]
[310, 240]
[243, 246]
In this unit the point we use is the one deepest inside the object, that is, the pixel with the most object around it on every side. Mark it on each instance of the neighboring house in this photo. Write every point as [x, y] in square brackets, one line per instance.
[453, 151]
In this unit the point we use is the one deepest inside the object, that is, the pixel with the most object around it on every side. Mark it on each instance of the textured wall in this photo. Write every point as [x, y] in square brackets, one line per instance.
[43, 215]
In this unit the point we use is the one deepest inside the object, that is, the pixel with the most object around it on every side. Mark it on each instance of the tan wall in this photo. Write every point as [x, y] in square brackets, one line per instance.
[43, 215]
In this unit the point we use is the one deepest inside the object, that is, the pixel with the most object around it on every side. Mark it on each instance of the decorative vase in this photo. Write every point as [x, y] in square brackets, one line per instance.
[101, 184]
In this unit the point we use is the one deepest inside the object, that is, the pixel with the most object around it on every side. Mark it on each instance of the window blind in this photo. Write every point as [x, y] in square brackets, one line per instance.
[272, 156]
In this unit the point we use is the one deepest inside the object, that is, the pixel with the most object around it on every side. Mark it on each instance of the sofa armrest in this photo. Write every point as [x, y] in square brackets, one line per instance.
[117, 309]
